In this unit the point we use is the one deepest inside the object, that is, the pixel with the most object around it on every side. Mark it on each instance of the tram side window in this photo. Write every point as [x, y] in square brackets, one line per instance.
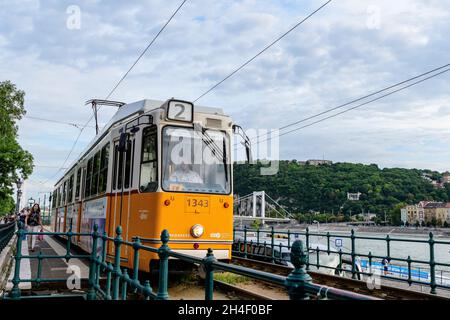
[64, 193]
[149, 161]
[119, 165]
[95, 171]
[103, 175]
[128, 154]
[87, 190]
[59, 196]
[78, 184]
[70, 190]
[54, 198]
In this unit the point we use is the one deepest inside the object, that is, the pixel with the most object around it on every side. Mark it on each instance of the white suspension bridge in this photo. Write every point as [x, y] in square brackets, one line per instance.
[260, 206]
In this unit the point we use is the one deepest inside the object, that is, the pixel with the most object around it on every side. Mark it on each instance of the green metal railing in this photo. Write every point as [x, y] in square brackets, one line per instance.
[251, 245]
[6, 232]
[120, 281]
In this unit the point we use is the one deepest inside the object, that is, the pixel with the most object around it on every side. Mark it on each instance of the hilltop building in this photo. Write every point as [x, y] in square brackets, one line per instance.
[314, 162]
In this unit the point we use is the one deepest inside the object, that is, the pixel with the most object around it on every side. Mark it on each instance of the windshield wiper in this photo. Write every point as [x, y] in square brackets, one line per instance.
[210, 143]
[225, 165]
[221, 156]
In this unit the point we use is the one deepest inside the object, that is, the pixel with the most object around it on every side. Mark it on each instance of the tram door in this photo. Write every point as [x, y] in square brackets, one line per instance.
[120, 200]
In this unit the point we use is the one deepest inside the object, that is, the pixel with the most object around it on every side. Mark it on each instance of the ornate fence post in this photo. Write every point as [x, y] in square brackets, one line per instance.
[116, 271]
[432, 265]
[15, 291]
[93, 265]
[163, 253]
[245, 241]
[136, 247]
[307, 245]
[297, 280]
[209, 279]
[69, 240]
[272, 244]
[408, 260]
[353, 254]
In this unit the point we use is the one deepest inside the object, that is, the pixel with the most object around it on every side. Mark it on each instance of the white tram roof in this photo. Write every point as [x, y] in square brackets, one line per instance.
[128, 110]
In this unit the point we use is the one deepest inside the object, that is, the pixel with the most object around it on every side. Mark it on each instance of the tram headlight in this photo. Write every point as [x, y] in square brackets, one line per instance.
[197, 230]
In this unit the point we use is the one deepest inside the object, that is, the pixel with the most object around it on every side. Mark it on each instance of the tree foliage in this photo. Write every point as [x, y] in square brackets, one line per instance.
[305, 188]
[15, 162]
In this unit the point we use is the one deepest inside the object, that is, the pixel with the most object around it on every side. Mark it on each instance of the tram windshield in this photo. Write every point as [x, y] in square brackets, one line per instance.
[195, 160]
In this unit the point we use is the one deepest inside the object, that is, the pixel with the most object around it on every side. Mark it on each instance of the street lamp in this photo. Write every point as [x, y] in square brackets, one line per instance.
[19, 184]
[31, 201]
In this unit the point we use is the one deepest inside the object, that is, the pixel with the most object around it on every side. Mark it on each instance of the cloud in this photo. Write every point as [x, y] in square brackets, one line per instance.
[348, 49]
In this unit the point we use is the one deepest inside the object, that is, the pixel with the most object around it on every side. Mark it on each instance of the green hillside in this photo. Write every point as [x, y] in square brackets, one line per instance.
[302, 188]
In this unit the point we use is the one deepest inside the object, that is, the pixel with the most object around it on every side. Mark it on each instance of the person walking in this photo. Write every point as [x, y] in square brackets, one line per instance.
[385, 263]
[34, 224]
[22, 217]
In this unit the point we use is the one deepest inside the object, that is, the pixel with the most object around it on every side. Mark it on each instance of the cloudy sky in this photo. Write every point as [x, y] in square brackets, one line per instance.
[348, 49]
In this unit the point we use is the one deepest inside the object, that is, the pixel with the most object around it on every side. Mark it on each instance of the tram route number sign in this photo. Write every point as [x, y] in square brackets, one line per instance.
[180, 111]
[338, 243]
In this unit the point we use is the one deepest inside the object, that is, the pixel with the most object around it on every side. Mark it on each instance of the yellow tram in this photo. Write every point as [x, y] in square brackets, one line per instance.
[156, 165]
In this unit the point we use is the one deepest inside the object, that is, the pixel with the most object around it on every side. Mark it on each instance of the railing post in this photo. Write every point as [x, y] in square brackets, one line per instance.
[147, 290]
[388, 248]
[318, 257]
[209, 279]
[328, 243]
[245, 241]
[409, 270]
[136, 247]
[104, 239]
[163, 253]
[289, 239]
[125, 280]
[298, 278]
[353, 254]
[15, 291]
[93, 265]
[340, 269]
[272, 244]
[39, 269]
[116, 270]
[307, 246]
[109, 270]
[432, 265]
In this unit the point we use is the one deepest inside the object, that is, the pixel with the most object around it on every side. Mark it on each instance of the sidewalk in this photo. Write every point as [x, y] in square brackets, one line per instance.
[25, 270]
[54, 268]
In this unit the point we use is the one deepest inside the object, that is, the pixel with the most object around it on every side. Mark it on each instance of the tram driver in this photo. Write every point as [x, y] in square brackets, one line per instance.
[184, 173]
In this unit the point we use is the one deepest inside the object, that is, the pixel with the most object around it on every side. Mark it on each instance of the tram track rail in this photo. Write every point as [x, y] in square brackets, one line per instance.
[387, 292]
[239, 292]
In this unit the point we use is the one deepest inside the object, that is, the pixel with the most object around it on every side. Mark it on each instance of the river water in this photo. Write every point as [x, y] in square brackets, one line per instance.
[378, 247]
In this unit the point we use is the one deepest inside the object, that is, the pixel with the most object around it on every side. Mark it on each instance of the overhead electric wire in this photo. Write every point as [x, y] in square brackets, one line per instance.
[146, 49]
[117, 85]
[261, 52]
[355, 100]
[357, 106]
[44, 166]
[76, 125]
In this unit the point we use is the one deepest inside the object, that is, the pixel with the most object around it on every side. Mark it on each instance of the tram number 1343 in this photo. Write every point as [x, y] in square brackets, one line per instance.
[196, 202]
